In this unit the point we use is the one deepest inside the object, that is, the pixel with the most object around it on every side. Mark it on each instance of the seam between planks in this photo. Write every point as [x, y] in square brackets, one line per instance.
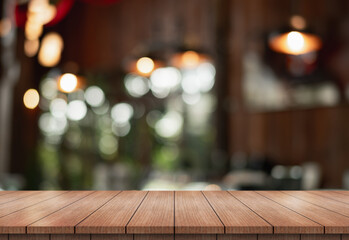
[174, 215]
[214, 212]
[26, 228]
[293, 210]
[252, 211]
[95, 211]
[316, 204]
[34, 204]
[135, 212]
[323, 197]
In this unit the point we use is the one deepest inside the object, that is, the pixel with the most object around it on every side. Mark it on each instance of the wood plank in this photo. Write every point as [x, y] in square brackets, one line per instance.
[337, 196]
[70, 237]
[330, 204]
[153, 237]
[29, 237]
[5, 198]
[20, 204]
[113, 216]
[345, 237]
[236, 217]
[18, 221]
[155, 214]
[279, 237]
[333, 222]
[3, 236]
[111, 237]
[282, 219]
[195, 237]
[238, 236]
[193, 214]
[6, 192]
[321, 237]
[65, 220]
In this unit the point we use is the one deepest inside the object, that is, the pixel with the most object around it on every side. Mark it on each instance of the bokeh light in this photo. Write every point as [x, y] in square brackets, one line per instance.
[94, 96]
[165, 79]
[51, 125]
[31, 98]
[170, 125]
[190, 59]
[145, 65]
[136, 86]
[68, 82]
[76, 110]
[51, 49]
[298, 22]
[121, 113]
[31, 47]
[58, 107]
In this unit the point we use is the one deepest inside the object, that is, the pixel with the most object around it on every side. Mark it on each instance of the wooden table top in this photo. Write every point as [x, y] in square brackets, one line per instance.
[179, 212]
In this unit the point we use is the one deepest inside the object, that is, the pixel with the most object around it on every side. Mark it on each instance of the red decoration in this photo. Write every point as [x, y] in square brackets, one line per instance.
[62, 9]
[101, 2]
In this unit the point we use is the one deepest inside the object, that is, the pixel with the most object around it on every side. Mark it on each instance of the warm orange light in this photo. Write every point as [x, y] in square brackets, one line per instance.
[190, 59]
[31, 47]
[50, 51]
[145, 65]
[68, 82]
[298, 22]
[5, 27]
[295, 43]
[31, 98]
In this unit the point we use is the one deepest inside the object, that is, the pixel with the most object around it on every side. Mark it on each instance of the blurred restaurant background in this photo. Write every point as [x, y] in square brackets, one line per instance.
[174, 94]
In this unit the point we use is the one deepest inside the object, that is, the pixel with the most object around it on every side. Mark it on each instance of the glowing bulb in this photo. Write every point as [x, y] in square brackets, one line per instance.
[68, 82]
[31, 98]
[190, 59]
[295, 41]
[145, 65]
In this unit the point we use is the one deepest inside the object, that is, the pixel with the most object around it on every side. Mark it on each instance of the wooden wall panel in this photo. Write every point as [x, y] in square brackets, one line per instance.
[29, 237]
[70, 237]
[111, 236]
[279, 237]
[153, 237]
[237, 237]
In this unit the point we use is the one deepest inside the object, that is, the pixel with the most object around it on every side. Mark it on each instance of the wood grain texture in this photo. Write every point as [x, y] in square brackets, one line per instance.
[154, 237]
[195, 237]
[337, 196]
[155, 214]
[5, 198]
[194, 215]
[18, 221]
[111, 237]
[20, 204]
[70, 237]
[279, 237]
[29, 237]
[236, 217]
[281, 218]
[3, 236]
[113, 216]
[333, 222]
[237, 236]
[320, 237]
[65, 220]
[320, 200]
